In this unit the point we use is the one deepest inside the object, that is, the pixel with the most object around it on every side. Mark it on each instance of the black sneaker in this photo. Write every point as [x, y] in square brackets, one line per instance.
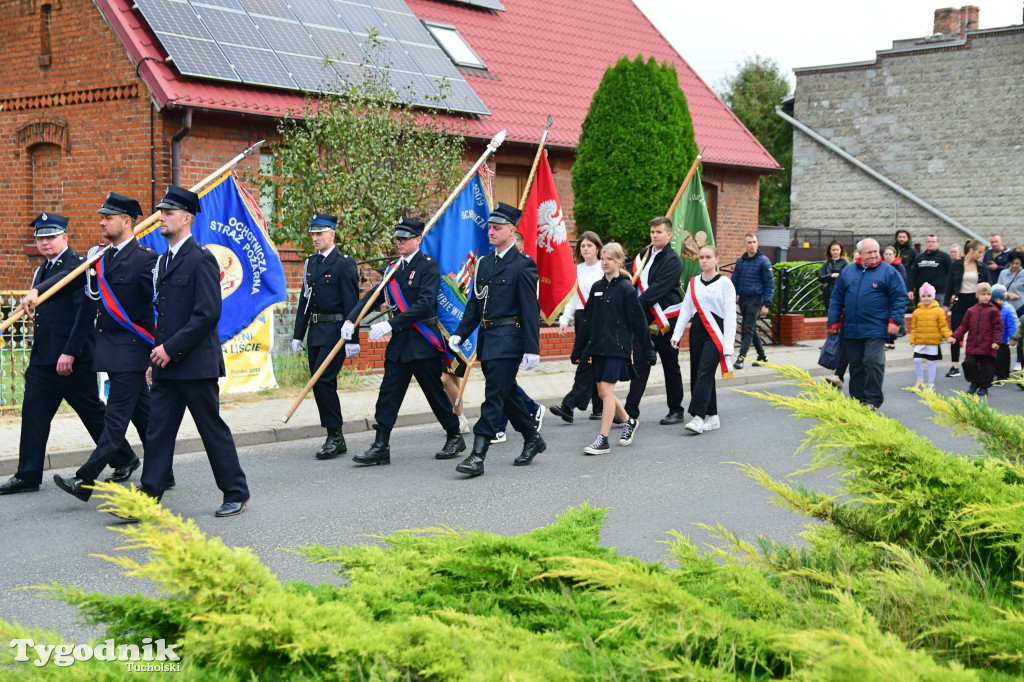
[738, 364]
[598, 447]
[760, 361]
[953, 372]
[596, 416]
[628, 431]
[563, 411]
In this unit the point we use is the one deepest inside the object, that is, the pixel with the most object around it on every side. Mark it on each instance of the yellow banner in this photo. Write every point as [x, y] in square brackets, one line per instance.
[247, 357]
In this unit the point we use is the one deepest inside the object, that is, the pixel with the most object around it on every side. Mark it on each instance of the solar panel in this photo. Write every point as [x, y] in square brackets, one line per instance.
[287, 44]
[483, 4]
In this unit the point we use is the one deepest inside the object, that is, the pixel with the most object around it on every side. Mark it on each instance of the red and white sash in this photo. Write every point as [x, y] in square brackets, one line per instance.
[713, 331]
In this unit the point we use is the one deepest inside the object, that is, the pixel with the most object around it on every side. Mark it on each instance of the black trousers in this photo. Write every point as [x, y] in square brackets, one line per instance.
[979, 369]
[584, 390]
[395, 383]
[501, 396]
[202, 398]
[44, 390]
[704, 362]
[127, 401]
[956, 316]
[669, 359]
[325, 390]
[750, 310]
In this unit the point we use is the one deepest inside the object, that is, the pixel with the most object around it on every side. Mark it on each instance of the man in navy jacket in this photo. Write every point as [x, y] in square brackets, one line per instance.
[755, 286]
[869, 300]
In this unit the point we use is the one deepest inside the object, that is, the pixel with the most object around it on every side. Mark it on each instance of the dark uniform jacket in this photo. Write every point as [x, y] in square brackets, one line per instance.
[188, 304]
[419, 283]
[331, 287]
[62, 325]
[662, 281]
[510, 284]
[130, 278]
[612, 319]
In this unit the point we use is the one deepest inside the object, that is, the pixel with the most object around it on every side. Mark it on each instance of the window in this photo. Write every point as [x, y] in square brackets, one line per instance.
[268, 195]
[454, 45]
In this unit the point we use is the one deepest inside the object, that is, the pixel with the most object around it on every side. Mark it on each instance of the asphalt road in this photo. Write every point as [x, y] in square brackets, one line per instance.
[668, 479]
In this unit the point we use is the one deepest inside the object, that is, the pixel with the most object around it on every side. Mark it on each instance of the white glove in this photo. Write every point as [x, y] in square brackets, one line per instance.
[296, 345]
[351, 350]
[530, 361]
[380, 329]
[454, 342]
[347, 330]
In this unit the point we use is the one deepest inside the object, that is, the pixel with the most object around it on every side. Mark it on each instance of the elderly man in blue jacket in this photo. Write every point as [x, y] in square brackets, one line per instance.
[869, 300]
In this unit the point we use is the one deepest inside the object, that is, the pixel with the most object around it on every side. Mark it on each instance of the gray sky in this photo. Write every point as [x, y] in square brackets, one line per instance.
[715, 37]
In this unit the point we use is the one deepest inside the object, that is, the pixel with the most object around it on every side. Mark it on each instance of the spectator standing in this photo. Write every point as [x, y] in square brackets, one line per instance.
[995, 257]
[983, 326]
[1013, 279]
[835, 261]
[754, 282]
[964, 277]
[889, 255]
[931, 266]
[905, 250]
[955, 253]
[869, 298]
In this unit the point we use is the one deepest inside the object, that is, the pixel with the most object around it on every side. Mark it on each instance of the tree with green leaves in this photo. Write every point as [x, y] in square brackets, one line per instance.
[752, 93]
[365, 156]
[636, 146]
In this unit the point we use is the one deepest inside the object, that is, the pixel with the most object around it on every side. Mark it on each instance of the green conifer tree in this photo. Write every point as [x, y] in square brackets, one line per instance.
[636, 146]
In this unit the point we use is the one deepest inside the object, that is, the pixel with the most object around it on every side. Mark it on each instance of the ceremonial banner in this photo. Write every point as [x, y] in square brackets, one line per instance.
[456, 242]
[252, 279]
[546, 241]
[248, 359]
[691, 228]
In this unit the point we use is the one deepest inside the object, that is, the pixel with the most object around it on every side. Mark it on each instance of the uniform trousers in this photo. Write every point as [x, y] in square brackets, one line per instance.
[44, 390]
[127, 401]
[669, 358]
[395, 383]
[500, 396]
[325, 390]
[704, 362]
[202, 398]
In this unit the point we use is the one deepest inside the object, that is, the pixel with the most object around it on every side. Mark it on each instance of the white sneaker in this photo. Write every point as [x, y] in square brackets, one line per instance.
[464, 424]
[1016, 367]
[538, 417]
[696, 425]
[929, 386]
[598, 447]
[628, 431]
[711, 423]
[499, 437]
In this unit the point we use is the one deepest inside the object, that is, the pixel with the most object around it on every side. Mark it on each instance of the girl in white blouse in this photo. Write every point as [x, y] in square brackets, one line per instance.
[711, 299]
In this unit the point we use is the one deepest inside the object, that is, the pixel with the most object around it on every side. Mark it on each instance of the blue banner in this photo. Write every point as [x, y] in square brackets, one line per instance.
[251, 275]
[456, 242]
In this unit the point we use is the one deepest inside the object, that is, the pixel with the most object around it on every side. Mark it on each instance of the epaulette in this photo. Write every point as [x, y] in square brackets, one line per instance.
[426, 257]
[81, 258]
[203, 247]
[146, 248]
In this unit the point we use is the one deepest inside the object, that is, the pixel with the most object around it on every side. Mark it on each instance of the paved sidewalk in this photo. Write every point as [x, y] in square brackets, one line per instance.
[255, 422]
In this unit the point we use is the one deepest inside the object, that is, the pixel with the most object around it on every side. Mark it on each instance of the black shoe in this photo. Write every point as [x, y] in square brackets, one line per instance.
[16, 485]
[973, 389]
[953, 372]
[452, 447]
[760, 361]
[230, 509]
[474, 464]
[982, 392]
[122, 474]
[561, 410]
[533, 446]
[73, 486]
[170, 484]
[738, 364]
[334, 446]
[673, 418]
[596, 416]
[617, 421]
[379, 452]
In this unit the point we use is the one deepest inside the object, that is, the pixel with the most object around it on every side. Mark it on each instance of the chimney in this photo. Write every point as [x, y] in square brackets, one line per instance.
[947, 21]
[968, 19]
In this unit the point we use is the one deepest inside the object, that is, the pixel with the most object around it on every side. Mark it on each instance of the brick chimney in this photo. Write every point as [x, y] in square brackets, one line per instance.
[950, 21]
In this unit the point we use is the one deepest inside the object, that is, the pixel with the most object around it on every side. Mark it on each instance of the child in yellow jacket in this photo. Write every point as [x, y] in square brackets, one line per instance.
[928, 329]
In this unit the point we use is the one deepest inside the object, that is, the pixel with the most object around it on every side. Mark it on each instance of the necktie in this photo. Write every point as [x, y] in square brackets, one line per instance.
[47, 267]
[170, 257]
[401, 268]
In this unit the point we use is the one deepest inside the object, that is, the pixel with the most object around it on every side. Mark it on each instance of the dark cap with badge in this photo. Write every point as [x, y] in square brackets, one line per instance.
[180, 198]
[321, 222]
[409, 228]
[117, 204]
[49, 224]
[503, 213]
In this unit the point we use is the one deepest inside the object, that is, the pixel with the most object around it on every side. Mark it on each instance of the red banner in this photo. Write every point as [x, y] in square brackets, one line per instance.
[546, 241]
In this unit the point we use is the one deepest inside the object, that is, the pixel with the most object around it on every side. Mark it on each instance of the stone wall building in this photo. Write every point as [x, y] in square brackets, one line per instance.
[939, 116]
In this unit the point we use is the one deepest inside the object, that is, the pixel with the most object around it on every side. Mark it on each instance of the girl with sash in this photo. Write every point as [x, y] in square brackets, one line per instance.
[710, 301]
[612, 322]
[588, 271]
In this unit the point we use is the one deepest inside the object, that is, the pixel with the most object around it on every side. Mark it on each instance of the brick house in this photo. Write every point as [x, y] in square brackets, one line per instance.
[937, 119]
[90, 103]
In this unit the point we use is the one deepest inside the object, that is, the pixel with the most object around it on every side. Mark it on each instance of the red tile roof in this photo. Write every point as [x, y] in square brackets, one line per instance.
[557, 53]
